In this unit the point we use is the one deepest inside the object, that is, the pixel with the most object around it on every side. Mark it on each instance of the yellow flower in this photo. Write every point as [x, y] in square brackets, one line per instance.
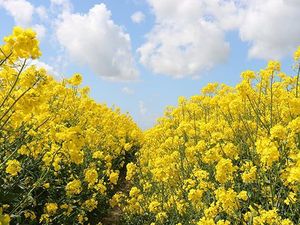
[206, 221]
[30, 214]
[278, 131]
[115, 200]
[134, 192]
[131, 170]
[292, 198]
[4, 218]
[75, 80]
[127, 146]
[13, 167]
[73, 187]
[24, 43]
[267, 217]
[91, 176]
[210, 88]
[224, 170]
[161, 216]
[98, 155]
[248, 75]
[51, 208]
[46, 185]
[249, 174]
[153, 206]
[273, 66]
[268, 152]
[227, 199]
[297, 54]
[195, 195]
[113, 178]
[223, 222]
[90, 204]
[243, 195]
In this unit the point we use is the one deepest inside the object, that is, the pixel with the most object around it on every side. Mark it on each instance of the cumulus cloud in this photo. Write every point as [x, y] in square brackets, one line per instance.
[138, 17]
[42, 12]
[40, 30]
[182, 42]
[271, 27]
[127, 90]
[188, 35]
[22, 12]
[95, 40]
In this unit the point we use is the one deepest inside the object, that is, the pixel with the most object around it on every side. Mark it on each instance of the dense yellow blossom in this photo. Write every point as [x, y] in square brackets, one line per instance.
[131, 170]
[113, 178]
[73, 187]
[90, 204]
[13, 167]
[60, 150]
[91, 176]
[22, 43]
[4, 218]
[51, 208]
[227, 156]
[224, 170]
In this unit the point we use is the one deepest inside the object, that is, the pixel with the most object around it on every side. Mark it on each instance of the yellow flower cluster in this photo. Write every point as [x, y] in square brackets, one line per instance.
[4, 218]
[21, 44]
[227, 156]
[13, 167]
[60, 150]
[230, 155]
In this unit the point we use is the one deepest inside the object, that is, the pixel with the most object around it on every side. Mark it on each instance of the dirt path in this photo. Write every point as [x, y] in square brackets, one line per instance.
[113, 217]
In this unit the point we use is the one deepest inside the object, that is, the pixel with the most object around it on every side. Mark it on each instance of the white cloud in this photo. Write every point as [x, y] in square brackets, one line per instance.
[127, 90]
[40, 31]
[142, 108]
[42, 12]
[95, 40]
[188, 35]
[271, 27]
[21, 10]
[138, 17]
[182, 42]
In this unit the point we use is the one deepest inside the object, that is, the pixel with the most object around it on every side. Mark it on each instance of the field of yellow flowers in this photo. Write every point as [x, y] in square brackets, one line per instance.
[230, 155]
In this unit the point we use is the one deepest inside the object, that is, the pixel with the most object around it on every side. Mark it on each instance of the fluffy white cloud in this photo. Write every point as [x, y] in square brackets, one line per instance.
[21, 10]
[138, 17]
[95, 40]
[127, 90]
[41, 11]
[272, 27]
[40, 31]
[183, 41]
[188, 36]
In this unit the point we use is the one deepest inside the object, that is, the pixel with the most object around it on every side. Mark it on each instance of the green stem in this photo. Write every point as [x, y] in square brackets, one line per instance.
[15, 102]
[14, 84]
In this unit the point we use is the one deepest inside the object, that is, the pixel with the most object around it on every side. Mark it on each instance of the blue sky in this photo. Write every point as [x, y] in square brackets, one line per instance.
[141, 55]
